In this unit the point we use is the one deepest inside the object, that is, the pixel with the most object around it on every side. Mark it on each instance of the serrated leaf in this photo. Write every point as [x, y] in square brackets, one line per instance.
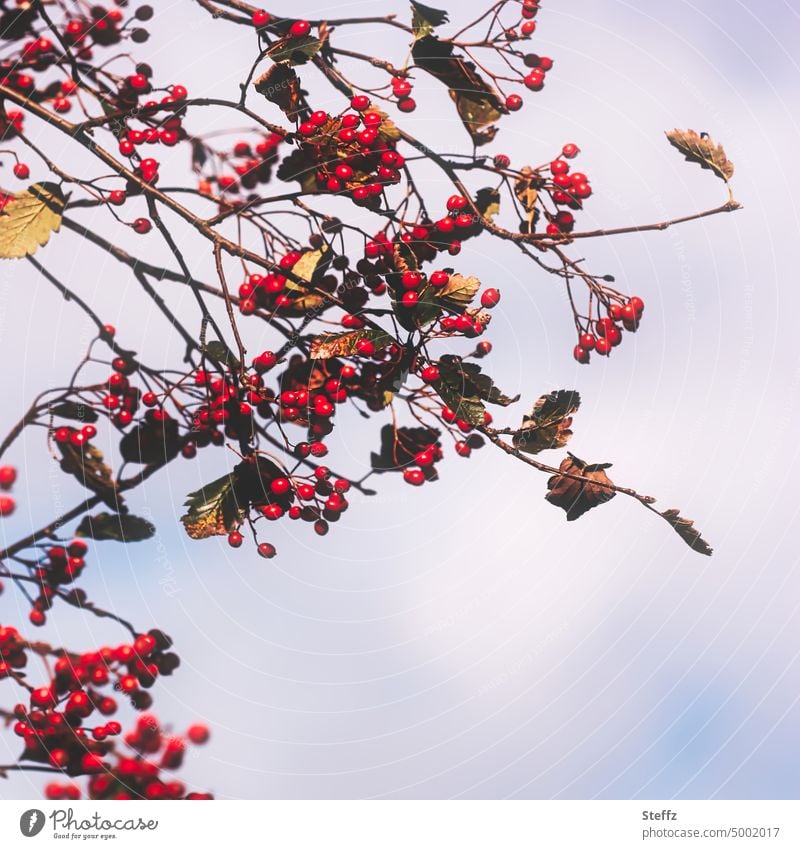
[345, 344]
[115, 526]
[296, 50]
[548, 423]
[213, 509]
[465, 386]
[458, 292]
[687, 532]
[310, 268]
[424, 19]
[27, 221]
[86, 464]
[74, 410]
[478, 104]
[576, 497]
[400, 446]
[702, 150]
[487, 201]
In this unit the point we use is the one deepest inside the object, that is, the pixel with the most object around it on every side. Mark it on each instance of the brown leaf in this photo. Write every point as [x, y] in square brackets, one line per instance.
[687, 532]
[296, 50]
[458, 291]
[701, 149]
[86, 464]
[526, 188]
[548, 423]
[345, 344]
[281, 85]
[576, 497]
[27, 221]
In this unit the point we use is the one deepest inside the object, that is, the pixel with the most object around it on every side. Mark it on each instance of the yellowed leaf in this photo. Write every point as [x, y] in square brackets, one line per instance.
[27, 221]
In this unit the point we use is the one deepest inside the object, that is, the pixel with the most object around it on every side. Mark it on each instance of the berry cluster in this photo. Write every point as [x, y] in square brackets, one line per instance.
[607, 332]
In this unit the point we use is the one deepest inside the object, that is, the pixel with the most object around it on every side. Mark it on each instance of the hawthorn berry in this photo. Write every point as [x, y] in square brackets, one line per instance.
[261, 18]
[581, 354]
[7, 505]
[235, 539]
[21, 171]
[430, 374]
[267, 550]
[142, 225]
[490, 298]
[8, 475]
[570, 150]
[299, 29]
[513, 103]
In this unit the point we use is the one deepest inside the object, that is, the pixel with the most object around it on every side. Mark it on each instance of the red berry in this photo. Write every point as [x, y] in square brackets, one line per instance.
[117, 197]
[407, 104]
[603, 347]
[558, 166]
[365, 347]
[300, 28]
[430, 374]
[198, 734]
[142, 225]
[463, 449]
[261, 18]
[414, 476]
[7, 505]
[587, 341]
[439, 278]
[638, 304]
[360, 102]
[267, 550]
[490, 298]
[513, 103]
[410, 298]
[570, 150]
[581, 354]
[8, 475]
[235, 539]
[21, 171]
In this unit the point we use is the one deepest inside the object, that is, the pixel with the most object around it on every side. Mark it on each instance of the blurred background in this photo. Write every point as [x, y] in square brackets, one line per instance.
[463, 640]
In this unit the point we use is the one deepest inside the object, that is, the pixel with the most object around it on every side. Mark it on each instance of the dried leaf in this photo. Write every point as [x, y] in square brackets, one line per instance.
[27, 221]
[526, 189]
[687, 532]
[548, 423]
[576, 497]
[345, 344]
[115, 526]
[424, 19]
[310, 267]
[458, 292]
[701, 149]
[281, 85]
[399, 447]
[301, 166]
[87, 466]
[213, 509]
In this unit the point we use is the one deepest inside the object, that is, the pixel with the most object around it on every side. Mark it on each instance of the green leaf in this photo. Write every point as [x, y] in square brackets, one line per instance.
[345, 344]
[151, 442]
[424, 19]
[213, 509]
[222, 354]
[75, 410]
[27, 221]
[478, 104]
[687, 532]
[463, 387]
[115, 526]
[296, 50]
[488, 202]
[702, 150]
[548, 423]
